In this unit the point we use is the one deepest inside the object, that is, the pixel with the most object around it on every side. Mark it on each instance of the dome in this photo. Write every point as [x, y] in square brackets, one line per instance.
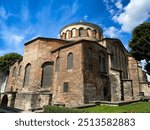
[81, 30]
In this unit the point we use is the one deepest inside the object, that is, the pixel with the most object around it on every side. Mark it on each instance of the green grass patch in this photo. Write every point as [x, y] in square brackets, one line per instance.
[139, 107]
[57, 109]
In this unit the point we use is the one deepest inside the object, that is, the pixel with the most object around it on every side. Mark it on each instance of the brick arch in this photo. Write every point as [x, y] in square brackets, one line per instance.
[81, 31]
[63, 35]
[73, 32]
[70, 61]
[88, 32]
[47, 74]
[14, 72]
[27, 75]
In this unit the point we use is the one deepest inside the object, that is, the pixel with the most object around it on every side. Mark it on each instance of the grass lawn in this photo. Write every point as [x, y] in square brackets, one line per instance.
[139, 107]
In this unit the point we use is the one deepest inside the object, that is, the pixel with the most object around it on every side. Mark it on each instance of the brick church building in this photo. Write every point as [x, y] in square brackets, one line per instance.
[76, 69]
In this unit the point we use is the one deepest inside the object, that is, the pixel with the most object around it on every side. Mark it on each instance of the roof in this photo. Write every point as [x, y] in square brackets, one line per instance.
[76, 42]
[44, 38]
[115, 39]
[84, 23]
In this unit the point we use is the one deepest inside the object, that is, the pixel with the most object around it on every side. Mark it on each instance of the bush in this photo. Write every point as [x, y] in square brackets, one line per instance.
[58, 109]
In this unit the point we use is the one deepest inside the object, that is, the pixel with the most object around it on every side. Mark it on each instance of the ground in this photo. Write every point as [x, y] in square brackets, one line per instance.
[139, 107]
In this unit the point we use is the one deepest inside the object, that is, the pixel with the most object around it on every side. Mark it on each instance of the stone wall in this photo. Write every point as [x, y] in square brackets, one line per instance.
[115, 83]
[145, 88]
[134, 76]
[118, 56]
[74, 77]
[95, 79]
[128, 90]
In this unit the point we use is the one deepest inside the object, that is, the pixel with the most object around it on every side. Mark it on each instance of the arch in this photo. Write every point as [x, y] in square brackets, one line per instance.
[94, 33]
[70, 61]
[64, 35]
[57, 64]
[67, 34]
[14, 72]
[88, 32]
[20, 70]
[27, 75]
[47, 75]
[73, 32]
[81, 31]
[4, 101]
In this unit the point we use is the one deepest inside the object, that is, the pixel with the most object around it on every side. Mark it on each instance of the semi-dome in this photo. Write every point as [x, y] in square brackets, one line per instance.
[81, 30]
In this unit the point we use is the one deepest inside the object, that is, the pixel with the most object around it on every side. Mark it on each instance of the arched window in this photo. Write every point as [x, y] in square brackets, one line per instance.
[27, 75]
[57, 65]
[19, 71]
[90, 65]
[67, 34]
[47, 75]
[14, 72]
[73, 32]
[88, 32]
[94, 33]
[81, 31]
[103, 65]
[64, 35]
[70, 61]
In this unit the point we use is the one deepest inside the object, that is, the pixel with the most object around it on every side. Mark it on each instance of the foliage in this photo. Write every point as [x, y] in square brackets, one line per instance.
[140, 44]
[58, 109]
[140, 107]
[7, 60]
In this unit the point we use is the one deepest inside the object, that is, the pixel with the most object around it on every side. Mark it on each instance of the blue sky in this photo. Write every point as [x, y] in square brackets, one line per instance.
[23, 20]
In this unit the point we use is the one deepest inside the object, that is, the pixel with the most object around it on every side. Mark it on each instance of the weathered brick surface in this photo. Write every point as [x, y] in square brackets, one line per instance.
[123, 78]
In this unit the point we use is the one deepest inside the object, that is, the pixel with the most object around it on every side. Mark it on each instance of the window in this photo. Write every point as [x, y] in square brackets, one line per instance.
[81, 32]
[103, 65]
[66, 87]
[90, 65]
[27, 75]
[70, 61]
[14, 72]
[67, 34]
[47, 75]
[89, 32]
[57, 64]
[73, 32]
[20, 69]
[94, 33]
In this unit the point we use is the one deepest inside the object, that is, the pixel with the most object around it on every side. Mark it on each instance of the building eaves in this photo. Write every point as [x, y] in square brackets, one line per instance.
[47, 39]
[76, 42]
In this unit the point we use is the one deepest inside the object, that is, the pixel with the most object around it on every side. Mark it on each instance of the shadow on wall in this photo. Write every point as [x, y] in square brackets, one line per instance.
[4, 101]
[3, 81]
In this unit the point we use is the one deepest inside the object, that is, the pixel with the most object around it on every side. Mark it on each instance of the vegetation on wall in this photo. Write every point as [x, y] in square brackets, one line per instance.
[140, 44]
[7, 60]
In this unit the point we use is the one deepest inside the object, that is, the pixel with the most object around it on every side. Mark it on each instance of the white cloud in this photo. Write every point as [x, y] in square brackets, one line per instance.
[85, 17]
[135, 13]
[3, 14]
[107, 4]
[119, 5]
[112, 11]
[111, 32]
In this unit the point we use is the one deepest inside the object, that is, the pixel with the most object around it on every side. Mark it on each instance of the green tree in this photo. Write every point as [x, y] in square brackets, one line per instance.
[140, 44]
[7, 60]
